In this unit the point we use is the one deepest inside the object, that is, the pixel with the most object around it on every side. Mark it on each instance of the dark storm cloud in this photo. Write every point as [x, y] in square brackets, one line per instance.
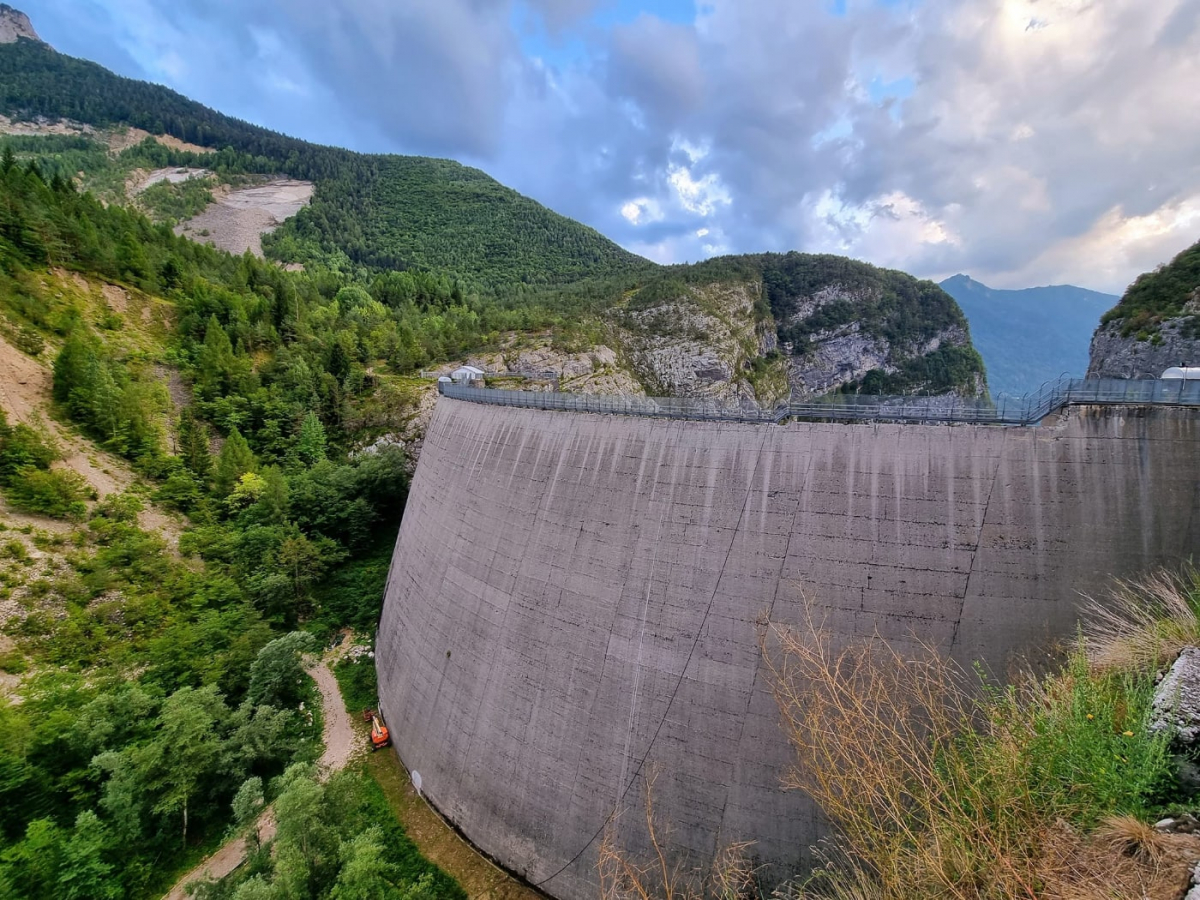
[657, 65]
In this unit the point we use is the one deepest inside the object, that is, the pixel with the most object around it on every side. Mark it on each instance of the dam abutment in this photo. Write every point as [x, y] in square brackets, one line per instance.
[575, 598]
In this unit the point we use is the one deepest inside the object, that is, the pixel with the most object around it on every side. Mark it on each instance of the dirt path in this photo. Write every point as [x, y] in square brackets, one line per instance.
[225, 860]
[341, 740]
[341, 743]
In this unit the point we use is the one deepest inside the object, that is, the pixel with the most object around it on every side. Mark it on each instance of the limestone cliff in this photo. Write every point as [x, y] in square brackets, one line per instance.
[1174, 342]
[15, 24]
[702, 340]
[1155, 326]
[846, 325]
[760, 329]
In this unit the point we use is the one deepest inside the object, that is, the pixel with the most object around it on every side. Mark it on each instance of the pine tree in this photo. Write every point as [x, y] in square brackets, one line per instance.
[193, 444]
[310, 444]
[215, 361]
[234, 461]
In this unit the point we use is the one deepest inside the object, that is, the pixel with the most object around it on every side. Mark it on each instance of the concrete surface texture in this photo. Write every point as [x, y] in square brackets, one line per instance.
[575, 600]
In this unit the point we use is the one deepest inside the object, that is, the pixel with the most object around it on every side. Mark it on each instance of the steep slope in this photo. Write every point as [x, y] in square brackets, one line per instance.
[1030, 336]
[1155, 326]
[740, 329]
[760, 328]
[380, 211]
[15, 25]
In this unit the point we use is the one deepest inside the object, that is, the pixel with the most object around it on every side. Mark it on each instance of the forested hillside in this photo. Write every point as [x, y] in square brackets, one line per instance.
[174, 505]
[378, 211]
[1170, 291]
[1155, 326]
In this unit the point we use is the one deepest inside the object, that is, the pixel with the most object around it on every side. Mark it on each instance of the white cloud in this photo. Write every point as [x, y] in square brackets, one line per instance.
[1063, 151]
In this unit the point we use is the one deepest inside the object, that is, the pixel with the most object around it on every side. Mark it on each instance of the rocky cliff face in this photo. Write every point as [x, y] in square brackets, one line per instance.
[704, 341]
[825, 359]
[1176, 342]
[1155, 326]
[15, 24]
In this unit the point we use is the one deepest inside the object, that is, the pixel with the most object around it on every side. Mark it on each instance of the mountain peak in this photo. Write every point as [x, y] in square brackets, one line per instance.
[15, 24]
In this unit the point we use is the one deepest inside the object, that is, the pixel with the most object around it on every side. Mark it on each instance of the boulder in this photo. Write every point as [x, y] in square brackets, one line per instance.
[1176, 706]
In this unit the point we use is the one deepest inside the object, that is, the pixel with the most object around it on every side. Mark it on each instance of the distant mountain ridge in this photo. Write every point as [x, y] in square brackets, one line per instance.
[1029, 336]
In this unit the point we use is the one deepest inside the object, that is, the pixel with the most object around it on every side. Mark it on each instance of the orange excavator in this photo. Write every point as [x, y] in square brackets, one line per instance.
[379, 733]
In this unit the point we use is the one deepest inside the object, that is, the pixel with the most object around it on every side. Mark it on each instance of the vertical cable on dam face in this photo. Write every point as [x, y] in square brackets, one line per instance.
[576, 599]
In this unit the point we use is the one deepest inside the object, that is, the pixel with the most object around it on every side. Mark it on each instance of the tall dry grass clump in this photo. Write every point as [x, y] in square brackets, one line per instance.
[940, 786]
[1145, 623]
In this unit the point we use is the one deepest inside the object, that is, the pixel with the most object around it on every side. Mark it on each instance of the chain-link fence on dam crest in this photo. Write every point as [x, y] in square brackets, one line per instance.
[1027, 410]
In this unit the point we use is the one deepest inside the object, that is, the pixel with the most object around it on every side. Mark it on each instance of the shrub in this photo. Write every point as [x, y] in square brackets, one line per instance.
[940, 788]
[57, 493]
[20, 447]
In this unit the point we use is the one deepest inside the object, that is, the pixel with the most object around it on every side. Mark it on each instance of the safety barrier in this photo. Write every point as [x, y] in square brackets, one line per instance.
[1028, 410]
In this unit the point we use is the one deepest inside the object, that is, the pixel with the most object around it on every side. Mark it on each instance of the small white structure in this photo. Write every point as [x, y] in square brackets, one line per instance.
[445, 379]
[1188, 373]
[467, 375]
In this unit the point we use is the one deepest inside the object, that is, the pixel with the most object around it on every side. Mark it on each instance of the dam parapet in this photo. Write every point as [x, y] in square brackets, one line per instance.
[576, 600]
[1030, 409]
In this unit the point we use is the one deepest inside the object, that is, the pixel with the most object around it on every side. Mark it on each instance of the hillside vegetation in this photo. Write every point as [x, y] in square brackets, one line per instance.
[376, 211]
[1170, 291]
[177, 499]
[945, 785]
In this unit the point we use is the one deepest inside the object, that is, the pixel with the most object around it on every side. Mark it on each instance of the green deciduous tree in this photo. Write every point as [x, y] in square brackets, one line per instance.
[278, 671]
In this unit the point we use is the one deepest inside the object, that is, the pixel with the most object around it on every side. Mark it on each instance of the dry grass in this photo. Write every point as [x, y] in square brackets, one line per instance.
[622, 877]
[941, 789]
[1145, 623]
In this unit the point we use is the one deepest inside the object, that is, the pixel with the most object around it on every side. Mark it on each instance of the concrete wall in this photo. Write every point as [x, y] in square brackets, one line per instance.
[572, 594]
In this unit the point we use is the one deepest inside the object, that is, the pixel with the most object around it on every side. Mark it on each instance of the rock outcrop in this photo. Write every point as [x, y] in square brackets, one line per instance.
[1176, 705]
[705, 341]
[1175, 342]
[15, 24]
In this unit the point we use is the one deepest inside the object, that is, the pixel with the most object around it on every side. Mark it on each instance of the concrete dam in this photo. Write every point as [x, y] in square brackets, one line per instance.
[575, 600]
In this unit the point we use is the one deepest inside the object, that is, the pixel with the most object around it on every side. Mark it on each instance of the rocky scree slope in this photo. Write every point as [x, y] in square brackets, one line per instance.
[1155, 326]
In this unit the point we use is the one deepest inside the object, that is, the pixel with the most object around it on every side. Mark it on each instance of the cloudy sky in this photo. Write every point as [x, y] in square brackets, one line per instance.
[1020, 141]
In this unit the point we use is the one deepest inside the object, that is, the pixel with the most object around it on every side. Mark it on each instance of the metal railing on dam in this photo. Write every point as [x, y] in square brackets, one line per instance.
[1027, 410]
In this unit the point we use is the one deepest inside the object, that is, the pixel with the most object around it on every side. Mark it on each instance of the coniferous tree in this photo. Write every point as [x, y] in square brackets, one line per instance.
[193, 444]
[310, 444]
[234, 461]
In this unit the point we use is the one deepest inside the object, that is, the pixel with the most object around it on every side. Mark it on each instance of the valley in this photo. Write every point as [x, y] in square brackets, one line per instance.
[235, 511]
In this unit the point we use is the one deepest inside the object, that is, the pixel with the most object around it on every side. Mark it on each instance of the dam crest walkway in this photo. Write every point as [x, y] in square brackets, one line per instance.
[1030, 409]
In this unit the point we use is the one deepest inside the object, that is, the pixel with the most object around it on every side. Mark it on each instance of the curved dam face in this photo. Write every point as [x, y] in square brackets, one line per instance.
[575, 600]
